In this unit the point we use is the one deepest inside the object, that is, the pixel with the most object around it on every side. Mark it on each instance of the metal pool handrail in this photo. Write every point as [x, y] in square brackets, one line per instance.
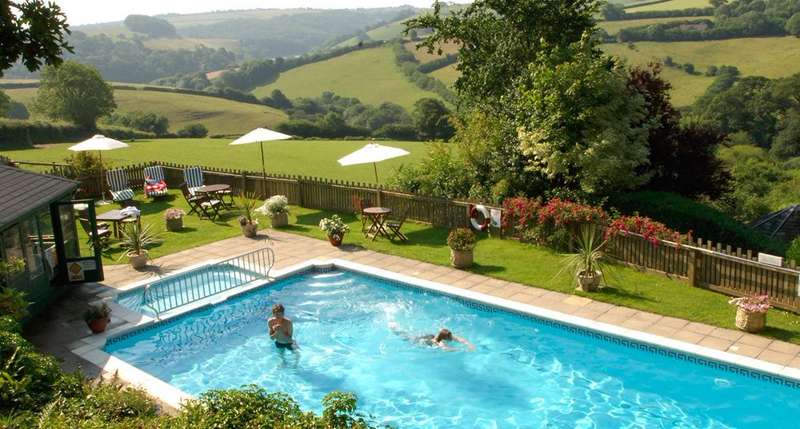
[199, 283]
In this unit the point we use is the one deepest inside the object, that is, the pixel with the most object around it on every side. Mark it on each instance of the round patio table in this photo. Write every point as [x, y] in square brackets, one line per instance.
[217, 191]
[377, 217]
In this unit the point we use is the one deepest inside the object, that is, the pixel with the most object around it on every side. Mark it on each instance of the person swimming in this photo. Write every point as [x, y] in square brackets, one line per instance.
[440, 339]
[280, 328]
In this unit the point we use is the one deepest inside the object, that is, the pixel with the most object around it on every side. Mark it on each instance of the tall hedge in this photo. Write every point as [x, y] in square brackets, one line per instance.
[19, 133]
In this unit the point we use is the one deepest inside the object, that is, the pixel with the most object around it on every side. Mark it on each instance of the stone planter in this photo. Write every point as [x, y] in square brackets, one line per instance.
[98, 325]
[749, 321]
[138, 261]
[175, 224]
[336, 239]
[279, 220]
[250, 230]
[589, 282]
[461, 258]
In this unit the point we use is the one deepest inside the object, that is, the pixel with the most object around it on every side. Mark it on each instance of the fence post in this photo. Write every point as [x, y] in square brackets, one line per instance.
[695, 259]
[379, 195]
[244, 183]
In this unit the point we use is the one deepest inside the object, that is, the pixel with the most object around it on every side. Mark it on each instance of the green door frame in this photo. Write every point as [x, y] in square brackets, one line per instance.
[84, 268]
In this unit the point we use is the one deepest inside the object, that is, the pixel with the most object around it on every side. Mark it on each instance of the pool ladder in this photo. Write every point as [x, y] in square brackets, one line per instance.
[257, 265]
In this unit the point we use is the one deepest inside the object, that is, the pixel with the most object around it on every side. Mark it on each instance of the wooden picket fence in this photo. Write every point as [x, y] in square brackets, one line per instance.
[704, 264]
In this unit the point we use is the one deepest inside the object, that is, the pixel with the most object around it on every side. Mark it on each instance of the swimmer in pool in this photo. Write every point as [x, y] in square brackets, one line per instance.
[440, 339]
[280, 328]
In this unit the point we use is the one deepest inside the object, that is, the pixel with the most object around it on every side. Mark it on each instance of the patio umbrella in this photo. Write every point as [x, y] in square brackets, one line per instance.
[372, 153]
[260, 135]
[99, 143]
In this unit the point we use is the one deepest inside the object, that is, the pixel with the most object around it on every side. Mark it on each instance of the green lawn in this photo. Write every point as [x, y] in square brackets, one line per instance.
[671, 5]
[390, 31]
[536, 266]
[370, 75]
[219, 115]
[315, 158]
[448, 74]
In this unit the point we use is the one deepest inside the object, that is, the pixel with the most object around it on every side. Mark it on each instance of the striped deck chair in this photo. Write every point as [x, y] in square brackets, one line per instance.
[155, 186]
[118, 185]
[193, 176]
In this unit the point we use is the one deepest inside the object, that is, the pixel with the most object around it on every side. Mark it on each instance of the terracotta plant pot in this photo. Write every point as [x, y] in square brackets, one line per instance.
[280, 220]
[250, 230]
[138, 261]
[336, 240]
[589, 282]
[749, 321]
[461, 258]
[175, 224]
[98, 325]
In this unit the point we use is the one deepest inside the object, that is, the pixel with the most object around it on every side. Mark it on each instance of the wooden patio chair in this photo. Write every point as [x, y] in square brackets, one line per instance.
[118, 186]
[358, 210]
[103, 234]
[395, 225]
[193, 176]
[155, 186]
[202, 205]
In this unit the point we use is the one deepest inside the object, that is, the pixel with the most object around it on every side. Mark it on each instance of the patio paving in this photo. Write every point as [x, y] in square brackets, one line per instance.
[63, 325]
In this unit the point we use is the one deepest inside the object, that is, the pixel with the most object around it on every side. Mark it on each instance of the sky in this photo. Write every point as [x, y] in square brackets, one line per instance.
[81, 12]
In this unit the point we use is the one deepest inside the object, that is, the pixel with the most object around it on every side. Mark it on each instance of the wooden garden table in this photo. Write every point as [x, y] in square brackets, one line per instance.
[377, 217]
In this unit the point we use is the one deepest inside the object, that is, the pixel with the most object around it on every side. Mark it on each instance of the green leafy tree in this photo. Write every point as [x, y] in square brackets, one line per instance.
[498, 38]
[152, 26]
[793, 25]
[580, 125]
[5, 104]
[431, 117]
[787, 143]
[74, 92]
[32, 31]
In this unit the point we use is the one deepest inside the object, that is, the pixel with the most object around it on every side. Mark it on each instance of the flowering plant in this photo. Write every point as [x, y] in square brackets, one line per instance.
[275, 205]
[752, 304]
[333, 225]
[558, 212]
[651, 230]
[173, 213]
[462, 239]
[520, 213]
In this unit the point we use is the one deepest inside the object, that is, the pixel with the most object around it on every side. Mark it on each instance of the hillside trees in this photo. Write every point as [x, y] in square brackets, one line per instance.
[431, 118]
[33, 32]
[74, 92]
[149, 25]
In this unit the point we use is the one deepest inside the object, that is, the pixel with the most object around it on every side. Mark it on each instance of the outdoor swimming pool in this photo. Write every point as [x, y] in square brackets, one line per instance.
[525, 372]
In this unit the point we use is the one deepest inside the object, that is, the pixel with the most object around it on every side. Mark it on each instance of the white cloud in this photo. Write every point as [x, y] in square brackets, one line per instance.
[93, 11]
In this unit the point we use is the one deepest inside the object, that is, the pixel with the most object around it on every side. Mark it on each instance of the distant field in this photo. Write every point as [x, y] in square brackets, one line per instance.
[422, 54]
[448, 74]
[671, 5]
[613, 27]
[371, 75]
[315, 158]
[190, 43]
[388, 32]
[220, 116]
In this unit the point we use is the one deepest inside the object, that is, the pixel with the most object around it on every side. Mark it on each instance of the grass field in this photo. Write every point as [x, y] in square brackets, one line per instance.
[299, 157]
[671, 5]
[370, 75]
[220, 116]
[389, 31]
[448, 74]
[422, 54]
[613, 27]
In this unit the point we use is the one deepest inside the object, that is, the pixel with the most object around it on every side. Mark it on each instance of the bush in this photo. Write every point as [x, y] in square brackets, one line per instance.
[193, 131]
[19, 133]
[793, 252]
[683, 214]
[462, 239]
[82, 165]
[142, 121]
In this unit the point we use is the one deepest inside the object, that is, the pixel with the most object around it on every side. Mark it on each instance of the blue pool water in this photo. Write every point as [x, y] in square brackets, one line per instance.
[184, 288]
[525, 372]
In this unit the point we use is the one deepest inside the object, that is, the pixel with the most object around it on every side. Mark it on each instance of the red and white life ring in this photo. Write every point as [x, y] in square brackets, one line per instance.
[483, 225]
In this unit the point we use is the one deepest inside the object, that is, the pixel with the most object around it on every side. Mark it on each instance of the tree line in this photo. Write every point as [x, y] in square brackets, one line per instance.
[617, 12]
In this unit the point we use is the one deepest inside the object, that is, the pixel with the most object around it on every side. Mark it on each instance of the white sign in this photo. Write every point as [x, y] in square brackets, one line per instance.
[495, 215]
[768, 259]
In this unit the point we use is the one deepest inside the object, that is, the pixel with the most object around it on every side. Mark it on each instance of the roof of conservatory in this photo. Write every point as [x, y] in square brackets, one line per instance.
[22, 192]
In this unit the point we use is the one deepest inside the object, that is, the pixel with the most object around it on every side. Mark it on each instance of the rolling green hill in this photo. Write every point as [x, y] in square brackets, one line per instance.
[368, 74]
[220, 116]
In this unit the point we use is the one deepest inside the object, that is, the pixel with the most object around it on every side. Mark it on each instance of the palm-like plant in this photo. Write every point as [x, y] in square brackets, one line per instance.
[136, 238]
[588, 261]
[248, 203]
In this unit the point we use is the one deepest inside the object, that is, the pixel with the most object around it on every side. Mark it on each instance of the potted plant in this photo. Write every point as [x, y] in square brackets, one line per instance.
[135, 240]
[335, 228]
[751, 312]
[461, 242]
[247, 221]
[97, 317]
[174, 218]
[588, 260]
[277, 209]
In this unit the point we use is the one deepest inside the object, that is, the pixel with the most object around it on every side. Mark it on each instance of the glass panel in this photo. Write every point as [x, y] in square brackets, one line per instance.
[68, 220]
[32, 247]
[12, 246]
[50, 257]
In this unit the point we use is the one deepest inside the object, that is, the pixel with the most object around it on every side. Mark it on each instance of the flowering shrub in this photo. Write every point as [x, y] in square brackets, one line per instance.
[651, 230]
[333, 225]
[752, 304]
[558, 212]
[520, 213]
[275, 205]
[173, 213]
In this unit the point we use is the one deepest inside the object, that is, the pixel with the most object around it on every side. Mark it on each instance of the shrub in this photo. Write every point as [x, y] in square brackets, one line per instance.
[462, 239]
[520, 213]
[193, 131]
[793, 252]
[83, 164]
[18, 133]
[651, 230]
[275, 205]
